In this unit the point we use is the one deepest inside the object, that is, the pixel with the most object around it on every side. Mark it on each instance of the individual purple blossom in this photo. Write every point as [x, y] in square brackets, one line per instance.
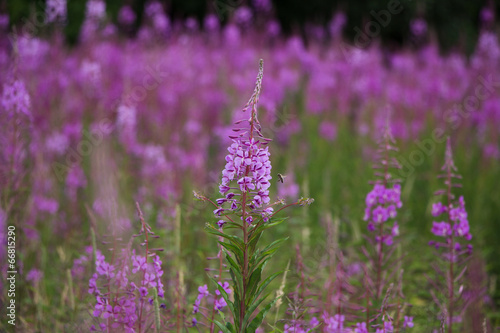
[102, 267]
[100, 306]
[105, 269]
[438, 208]
[196, 305]
[442, 229]
[149, 280]
[395, 229]
[408, 322]
[138, 263]
[143, 291]
[220, 303]
[93, 285]
[218, 211]
[379, 215]
[224, 286]
[203, 291]
[246, 184]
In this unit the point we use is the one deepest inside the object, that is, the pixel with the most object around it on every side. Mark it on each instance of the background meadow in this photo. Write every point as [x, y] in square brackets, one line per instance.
[142, 112]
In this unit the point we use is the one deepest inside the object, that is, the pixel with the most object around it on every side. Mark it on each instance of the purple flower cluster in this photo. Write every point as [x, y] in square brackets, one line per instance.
[457, 214]
[15, 99]
[247, 174]
[408, 322]
[361, 328]
[334, 324]
[381, 205]
[454, 227]
[456, 223]
[387, 328]
[219, 302]
[126, 289]
[248, 166]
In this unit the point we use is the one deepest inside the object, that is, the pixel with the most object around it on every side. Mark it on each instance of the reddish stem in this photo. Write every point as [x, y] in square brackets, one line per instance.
[452, 255]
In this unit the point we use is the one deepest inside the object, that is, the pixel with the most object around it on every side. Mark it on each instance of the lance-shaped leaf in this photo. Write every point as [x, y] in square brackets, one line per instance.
[234, 249]
[232, 238]
[257, 321]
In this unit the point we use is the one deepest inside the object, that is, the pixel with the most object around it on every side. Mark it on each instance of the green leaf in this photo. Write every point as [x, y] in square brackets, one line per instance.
[222, 327]
[230, 327]
[237, 281]
[265, 283]
[253, 240]
[250, 310]
[236, 270]
[233, 239]
[268, 252]
[276, 243]
[253, 282]
[236, 307]
[257, 321]
[234, 249]
[267, 225]
[261, 260]
[232, 225]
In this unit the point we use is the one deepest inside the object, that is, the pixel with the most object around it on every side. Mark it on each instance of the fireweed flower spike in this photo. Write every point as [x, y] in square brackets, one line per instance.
[124, 287]
[382, 203]
[246, 206]
[454, 228]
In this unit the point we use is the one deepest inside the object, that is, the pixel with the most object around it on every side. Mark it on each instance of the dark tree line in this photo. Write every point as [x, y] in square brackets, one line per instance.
[456, 22]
